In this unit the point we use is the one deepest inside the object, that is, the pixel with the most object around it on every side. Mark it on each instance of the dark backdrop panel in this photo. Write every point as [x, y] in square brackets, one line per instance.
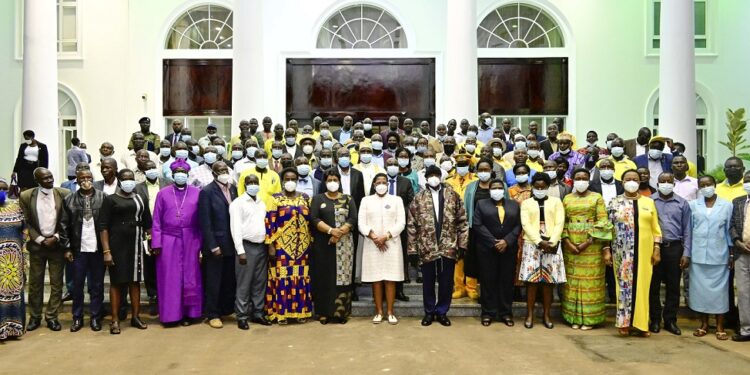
[375, 88]
[197, 87]
[523, 86]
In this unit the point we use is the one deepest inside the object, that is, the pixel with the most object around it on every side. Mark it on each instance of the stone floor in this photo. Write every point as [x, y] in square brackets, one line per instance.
[360, 347]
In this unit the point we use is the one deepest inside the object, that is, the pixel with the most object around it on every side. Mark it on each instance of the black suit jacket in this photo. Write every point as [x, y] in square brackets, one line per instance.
[546, 146]
[487, 228]
[356, 185]
[169, 138]
[43, 156]
[214, 212]
[595, 185]
[738, 219]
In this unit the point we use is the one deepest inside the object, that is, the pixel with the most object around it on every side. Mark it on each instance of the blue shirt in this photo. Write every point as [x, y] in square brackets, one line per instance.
[510, 177]
[711, 239]
[344, 136]
[675, 220]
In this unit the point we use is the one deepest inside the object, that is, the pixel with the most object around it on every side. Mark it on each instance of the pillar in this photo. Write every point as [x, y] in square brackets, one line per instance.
[677, 74]
[247, 65]
[460, 71]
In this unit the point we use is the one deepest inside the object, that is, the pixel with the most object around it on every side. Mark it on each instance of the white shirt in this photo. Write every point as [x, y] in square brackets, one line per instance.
[128, 160]
[436, 201]
[240, 166]
[110, 189]
[31, 153]
[304, 185]
[88, 236]
[687, 188]
[346, 181]
[609, 191]
[654, 166]
[639, 150]
[247, 221]
[46, 214]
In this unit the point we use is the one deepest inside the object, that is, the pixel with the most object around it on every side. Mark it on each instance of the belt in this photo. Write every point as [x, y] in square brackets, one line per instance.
[671, 243]
[136, 223]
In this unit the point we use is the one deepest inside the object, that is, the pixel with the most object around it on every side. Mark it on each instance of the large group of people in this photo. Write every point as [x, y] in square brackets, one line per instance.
[282, 224]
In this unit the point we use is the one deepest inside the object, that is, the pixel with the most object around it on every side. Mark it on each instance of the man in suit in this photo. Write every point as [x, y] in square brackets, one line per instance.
[73, 186]
[218, 248]
[109, 173]
[352, 183]
[401, 187]
[604, 181]
[638, 146]
[549, 145]
[656, 160]
[148, 190]
[534, 129]
[43, 212]
[345, 133]
[307, 183]
[290, 143]
[741, 257]
[176, 135]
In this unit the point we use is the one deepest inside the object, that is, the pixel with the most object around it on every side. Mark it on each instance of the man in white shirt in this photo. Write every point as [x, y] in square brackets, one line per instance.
[109, 173]
[247, 216]
[684, 185]
[307, 183]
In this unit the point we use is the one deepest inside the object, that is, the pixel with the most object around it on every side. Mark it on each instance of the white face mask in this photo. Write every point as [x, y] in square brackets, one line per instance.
[471, 148]
[290, 186]
[367, 126]
[617, 151]
[607, 174]
[326, 162]
[332, 186]
[223, 178]
[533, 154]
[539, 194]
[631, 186]
[609, 145]
[497, 152]
[471, 134]
[365, 158]
[252, 189]
[484, 176]
[708, 191]
[522, 178]
[665, 188]
[446, 165]
[488, 121]
[552, 174]
[381, 189]
[428, 162]
[746, 187]
[654, 154]
[581, 186]
[307, 149]
[462, 171]
[165, 151]
[433, 181]
[377, 145]
[392, 170]
[497, 194]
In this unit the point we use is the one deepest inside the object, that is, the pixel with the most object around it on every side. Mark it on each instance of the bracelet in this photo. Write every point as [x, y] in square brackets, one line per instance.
[329, 230]
[107, 251]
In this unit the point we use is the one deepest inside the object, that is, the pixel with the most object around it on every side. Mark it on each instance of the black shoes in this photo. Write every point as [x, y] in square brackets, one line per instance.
[137, 323]
[242, 324]
[54, 325]
[67, 297]
[741, 338]
[96, 324]
[443, 320]
[402, 297]
[77, 325]
[262, 321]
[654, 327]
[672, 328]
[33, 324]
[427, 320]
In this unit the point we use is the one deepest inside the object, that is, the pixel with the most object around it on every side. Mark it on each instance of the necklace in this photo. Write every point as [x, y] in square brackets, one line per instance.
[179, 208]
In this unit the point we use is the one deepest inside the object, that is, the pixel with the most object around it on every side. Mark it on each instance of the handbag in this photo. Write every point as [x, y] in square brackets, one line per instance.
[14, 191]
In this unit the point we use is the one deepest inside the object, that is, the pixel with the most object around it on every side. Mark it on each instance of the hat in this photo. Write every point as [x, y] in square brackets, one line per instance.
[144, 120]
[433, 170]
[496, 140]
[179, 163]
[461, 156]
[211, 126]
[307, 137]
[565, 136]
[658, 138]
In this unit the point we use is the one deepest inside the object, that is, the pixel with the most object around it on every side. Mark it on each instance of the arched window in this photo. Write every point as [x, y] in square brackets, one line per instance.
[203, 27]
[68, 120]
[701, 124]
[519, 25]
[361, 26]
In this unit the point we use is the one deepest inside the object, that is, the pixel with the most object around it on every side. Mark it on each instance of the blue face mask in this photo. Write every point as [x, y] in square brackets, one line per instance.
[236, 155]
[3, 196]
[127, 185]
[181, 154]
[252, 189]
[152, 174]
[251, 151]
[209, 157]
[276, 153]
[180, 178]
[221, 150]
[344, 162]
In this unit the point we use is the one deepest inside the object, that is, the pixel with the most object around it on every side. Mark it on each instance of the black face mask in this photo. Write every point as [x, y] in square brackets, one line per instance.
[449, 149]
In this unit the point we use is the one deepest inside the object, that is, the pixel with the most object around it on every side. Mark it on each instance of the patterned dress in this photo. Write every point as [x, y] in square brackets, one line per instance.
[636, 228]
[583, 294]
[288, 229]
[12, 309]
[519, 194]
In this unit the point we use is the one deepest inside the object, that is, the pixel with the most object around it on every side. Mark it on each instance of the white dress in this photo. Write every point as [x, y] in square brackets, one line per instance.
[382, 215]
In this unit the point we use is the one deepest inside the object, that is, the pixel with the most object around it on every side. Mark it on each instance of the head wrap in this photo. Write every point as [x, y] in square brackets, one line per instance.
[179, 163]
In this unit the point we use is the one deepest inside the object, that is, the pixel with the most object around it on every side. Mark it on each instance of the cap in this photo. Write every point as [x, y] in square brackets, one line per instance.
[144, 120]
[658, 138]
[211, 126]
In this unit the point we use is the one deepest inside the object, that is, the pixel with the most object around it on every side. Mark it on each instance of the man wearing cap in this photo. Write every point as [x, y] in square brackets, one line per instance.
[565, 150]
[209, 137]
[656, 160]
[176, 135]
[152, 139]
[458, 182]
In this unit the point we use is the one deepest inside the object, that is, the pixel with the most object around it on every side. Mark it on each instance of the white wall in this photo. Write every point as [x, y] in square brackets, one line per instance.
[10, 76]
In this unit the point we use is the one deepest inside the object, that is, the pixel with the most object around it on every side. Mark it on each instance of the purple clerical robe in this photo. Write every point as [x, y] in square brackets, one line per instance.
[176, 232]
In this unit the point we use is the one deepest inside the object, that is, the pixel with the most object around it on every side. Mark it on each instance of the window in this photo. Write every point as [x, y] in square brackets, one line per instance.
[197, 126]
[362, 26]
[67, 27]
[67, 122]
[701, 25]
[203, 27]
[519, 25]
[522, 122]
[701, 124]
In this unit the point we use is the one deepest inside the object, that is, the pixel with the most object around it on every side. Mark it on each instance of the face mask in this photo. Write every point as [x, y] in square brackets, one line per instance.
[262, 163]
[564, 152]
[209, 158]
[365, 158]
[252, 190]
[497, 194]
[3, 196]
[552, 175]
[462, 171]
[377, 145]
[429, 162]
[127, 185]
[180, 178]
[392, 170]
[195, 149]
[326, 162]
[367, 126]
[484, 176]
[152, 174]
[186, 137]
[654, 154]
[433, 181]
[165, 151]
[471, 148]
[631, 186]
[325, 133]
[181, 154]
[332, 186]
[421, 149]
[488, 121]
[221, 150]
[381, 189]
[251, 151]
[581, 186]
[403, 162]
[276, 153]
[327, 144]
[522, 178]
[607, 174]
[223, 178]
[539, 194]
[497, 152]
[307, 149]
[411, 149]
[441, 138]
[665, 188]
[449, 149]
[236, 155]
[609, 145]
[290, 141]
[617, 151]
[446, 165]
[520, 145]
[746, 186]
[708, 191]
[28, 141]
[303, 170]
[290, 186]
[392, 147]
[533, 154]
[344, 162]
[471, 134]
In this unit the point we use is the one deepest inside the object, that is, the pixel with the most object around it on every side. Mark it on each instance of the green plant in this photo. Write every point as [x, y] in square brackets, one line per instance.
[717, 172]
[736, 126]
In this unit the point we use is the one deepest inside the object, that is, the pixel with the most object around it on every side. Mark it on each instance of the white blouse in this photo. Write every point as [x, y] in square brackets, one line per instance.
[31, 153]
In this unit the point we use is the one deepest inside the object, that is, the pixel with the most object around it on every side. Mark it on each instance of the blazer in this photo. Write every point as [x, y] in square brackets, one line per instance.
[43, 160]
[487, 227]
[72, 220]
[554, 220]
[27, 200]
[215, 226]
[710, 231]
[420, 225]
[316, 185]
[630, 147]
[169, 137]
[641, 161]
[99, 185]
[595, 185]
[142, 190]
[738, 218]
[356, 185]
[546, 146]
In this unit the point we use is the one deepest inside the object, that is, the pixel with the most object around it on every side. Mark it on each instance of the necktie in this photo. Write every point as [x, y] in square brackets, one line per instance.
[276, 165]
[391, 186]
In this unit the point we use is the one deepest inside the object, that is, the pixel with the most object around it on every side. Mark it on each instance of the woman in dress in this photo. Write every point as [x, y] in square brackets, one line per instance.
[12, 308]
[381, 220]
[125, 223]
[403, 156]
[289, 241]
[633, 253]
[587, 228]
[475, 191]
[520, 192]
[32, 154]
[543, 219]
[334, 216]
[710, 258]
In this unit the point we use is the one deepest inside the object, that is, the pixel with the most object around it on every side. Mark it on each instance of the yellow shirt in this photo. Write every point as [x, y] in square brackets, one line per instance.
[535, 165]
[459, 183]
[153, 189]
[729, 192]
[692, 170]
[270, 184]
[620, 166]
[269, 143]
[503, 163]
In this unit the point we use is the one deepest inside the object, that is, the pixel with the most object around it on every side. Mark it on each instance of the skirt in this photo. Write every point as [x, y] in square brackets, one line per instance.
[540, 267]
[709, 291]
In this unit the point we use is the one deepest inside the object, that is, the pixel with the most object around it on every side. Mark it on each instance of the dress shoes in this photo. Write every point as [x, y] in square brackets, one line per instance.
[138, 323]
[443, 320]
[262, 321]
[33, 324]
[54, 325]
[427, 320]
[77, 325]
[402, 297]
[654, 327]
[741, 338]
[67, 297]
[242, 324]
[96, 324]
[215, 323]
[672, 328]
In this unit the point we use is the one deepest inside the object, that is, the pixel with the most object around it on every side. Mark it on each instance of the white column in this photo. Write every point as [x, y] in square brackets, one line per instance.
[247, 66]
[677, 74]
[39, 111]
[460, 72]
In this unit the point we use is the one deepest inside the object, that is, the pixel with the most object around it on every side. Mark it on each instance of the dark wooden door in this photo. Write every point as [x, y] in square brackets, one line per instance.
[195, 87]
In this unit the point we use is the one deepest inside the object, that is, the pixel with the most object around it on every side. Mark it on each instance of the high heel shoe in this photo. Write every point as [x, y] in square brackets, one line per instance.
[528, 323]
[548, 324]
[137, 323]
[114, 328]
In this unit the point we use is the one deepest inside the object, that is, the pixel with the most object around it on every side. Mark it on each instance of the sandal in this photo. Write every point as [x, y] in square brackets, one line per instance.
[624, 331]
[700, 332]
[508, 321]
[529, 323]
[486, 321]
[722, 336]
[282, 322]
[323, 320]
[114, 328]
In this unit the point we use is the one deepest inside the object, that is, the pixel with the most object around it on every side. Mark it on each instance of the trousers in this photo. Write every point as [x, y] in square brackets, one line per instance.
[38, 261]
[251, 281]
[88, 267]
[439, 271]
[669, 272]
[218, 286]
[742, 282]
[496, 271]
